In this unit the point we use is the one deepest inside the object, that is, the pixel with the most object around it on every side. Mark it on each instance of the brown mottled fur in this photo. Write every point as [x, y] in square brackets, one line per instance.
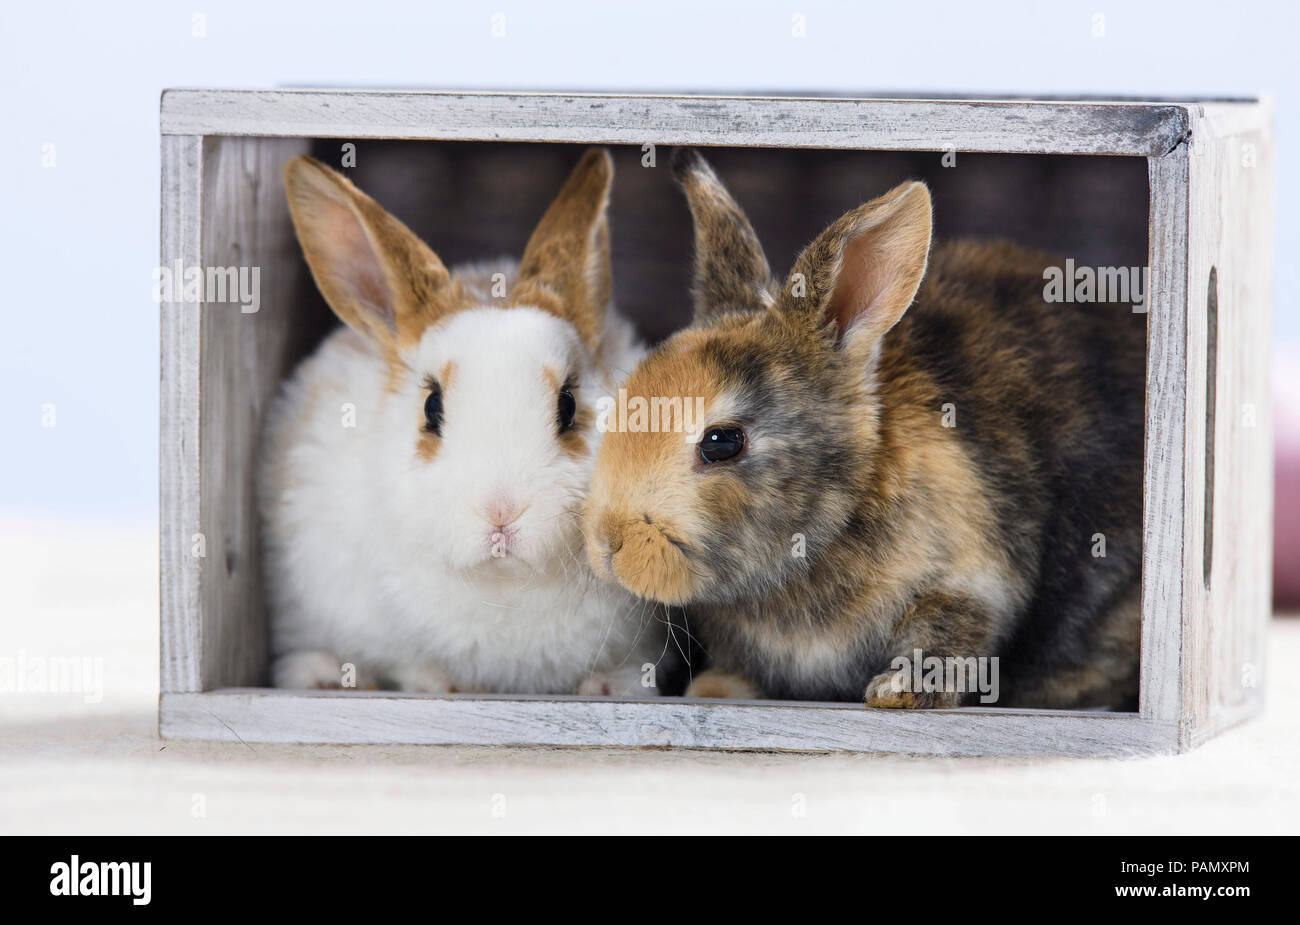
[962, 541]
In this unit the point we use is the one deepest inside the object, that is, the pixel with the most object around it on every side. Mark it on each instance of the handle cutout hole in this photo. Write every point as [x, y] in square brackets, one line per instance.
[1211, 380]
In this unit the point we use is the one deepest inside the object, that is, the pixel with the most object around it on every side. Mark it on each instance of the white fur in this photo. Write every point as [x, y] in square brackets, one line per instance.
[378, 558]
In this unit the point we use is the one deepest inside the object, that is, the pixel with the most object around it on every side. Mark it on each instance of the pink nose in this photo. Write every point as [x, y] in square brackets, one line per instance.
[500, 511]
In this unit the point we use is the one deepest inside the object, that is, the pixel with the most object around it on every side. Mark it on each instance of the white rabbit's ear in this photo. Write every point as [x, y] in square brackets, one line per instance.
[381, 279]
[565, 268]
[861, 273]
[731, 272]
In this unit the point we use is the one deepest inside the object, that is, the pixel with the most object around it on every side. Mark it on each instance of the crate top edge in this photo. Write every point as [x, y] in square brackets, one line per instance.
[895, 122]
[767, 94]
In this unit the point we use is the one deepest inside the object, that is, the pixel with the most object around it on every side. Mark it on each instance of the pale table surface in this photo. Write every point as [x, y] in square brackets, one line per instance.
[67, 766]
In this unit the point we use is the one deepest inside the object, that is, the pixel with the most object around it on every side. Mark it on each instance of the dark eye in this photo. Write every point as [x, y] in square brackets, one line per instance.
[722, 443]
[433, 410]
[566, 408]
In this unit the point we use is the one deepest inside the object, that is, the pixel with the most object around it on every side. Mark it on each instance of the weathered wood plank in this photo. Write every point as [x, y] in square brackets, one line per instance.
[245, 356]
[381, 718]
[1014, 126]
[1164, 517]
[1228, 603]
[1223, 119]
[179, 423]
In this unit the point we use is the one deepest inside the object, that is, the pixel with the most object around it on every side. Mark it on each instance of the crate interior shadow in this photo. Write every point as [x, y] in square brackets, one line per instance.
[475, 200]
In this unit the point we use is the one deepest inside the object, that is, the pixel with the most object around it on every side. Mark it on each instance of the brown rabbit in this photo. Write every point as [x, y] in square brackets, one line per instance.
[868, 482]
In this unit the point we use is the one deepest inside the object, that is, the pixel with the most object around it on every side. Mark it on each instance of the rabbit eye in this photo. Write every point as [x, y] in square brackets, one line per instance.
[433, 410]
[566, 408]
[722, 443]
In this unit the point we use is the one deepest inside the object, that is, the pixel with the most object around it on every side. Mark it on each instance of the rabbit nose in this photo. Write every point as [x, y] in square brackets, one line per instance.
[611, 533]
[500, 511]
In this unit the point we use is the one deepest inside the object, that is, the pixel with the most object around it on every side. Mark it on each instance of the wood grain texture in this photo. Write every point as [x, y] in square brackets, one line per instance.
[179, 424]
[1147, 129]
[245, 356]
[1164, 523]
[1230, 232]
[251, 716]
[1202, 648]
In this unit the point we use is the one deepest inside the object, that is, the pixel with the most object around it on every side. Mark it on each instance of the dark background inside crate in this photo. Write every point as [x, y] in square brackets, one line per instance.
[471, 200]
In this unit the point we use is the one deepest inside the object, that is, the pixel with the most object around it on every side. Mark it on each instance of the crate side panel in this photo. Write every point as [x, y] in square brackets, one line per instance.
[1231, 235]
[246, 226]
[180, 631]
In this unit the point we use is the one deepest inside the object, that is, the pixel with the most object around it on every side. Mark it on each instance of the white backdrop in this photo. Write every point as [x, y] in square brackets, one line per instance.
[79, 238]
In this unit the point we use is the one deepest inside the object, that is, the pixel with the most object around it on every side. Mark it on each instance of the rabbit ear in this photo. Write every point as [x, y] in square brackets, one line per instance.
[565, 268]
[374, 272]
[862, 272]
[731, 272]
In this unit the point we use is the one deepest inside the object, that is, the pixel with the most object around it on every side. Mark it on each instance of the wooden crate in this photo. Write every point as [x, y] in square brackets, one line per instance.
[1208, 456]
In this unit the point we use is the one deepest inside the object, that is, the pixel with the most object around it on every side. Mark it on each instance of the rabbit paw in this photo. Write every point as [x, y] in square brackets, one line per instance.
[422, 679]
[722, 685]
[882, 693]
[307, 671]
[618, 682]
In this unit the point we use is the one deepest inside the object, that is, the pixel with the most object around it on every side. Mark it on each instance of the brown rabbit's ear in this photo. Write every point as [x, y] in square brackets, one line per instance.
[731, 272]
[381, 279]
[565, 268]
[862, 272]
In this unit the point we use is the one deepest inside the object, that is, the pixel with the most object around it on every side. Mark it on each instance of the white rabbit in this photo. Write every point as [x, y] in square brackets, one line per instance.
[423, 471]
